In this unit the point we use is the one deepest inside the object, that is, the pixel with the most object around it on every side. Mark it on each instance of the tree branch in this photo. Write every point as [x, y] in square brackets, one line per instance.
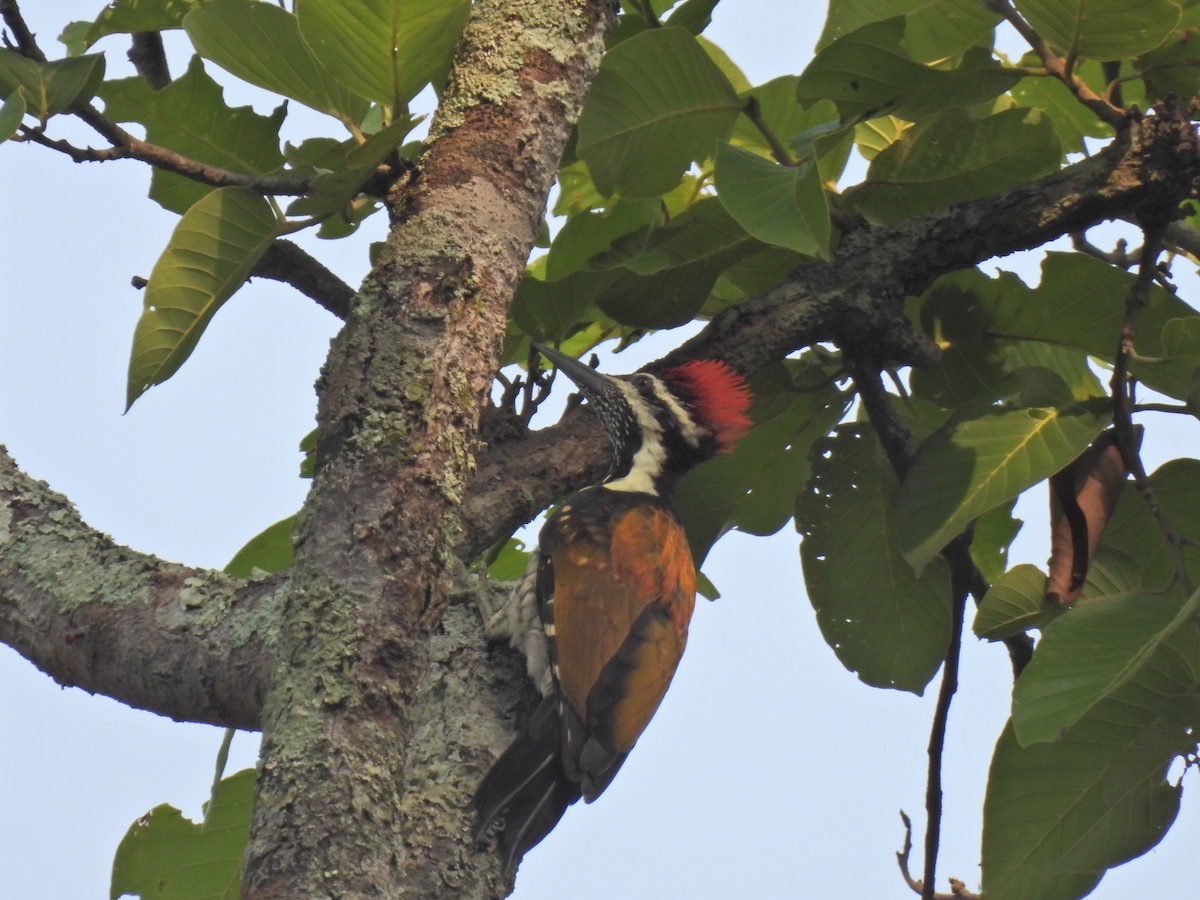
[285, 261]
[148, 57]
[26, 42]
[855, 301]
[181, 642]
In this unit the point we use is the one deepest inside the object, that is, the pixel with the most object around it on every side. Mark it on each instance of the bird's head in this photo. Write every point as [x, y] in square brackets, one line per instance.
[662, 425]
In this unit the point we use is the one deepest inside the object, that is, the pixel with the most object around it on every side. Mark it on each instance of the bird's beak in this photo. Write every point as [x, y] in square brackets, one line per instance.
[588, 379]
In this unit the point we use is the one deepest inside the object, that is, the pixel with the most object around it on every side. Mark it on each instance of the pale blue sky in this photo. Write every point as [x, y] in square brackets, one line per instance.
[769, 772]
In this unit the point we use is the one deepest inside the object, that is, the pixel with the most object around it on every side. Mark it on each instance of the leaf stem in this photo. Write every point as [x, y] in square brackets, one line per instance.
[752, 110]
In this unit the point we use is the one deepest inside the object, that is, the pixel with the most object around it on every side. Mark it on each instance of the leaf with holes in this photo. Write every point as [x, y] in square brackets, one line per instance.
[163, 855]
[657, 104]
[982, 457]
[884, 622]
[209, 256]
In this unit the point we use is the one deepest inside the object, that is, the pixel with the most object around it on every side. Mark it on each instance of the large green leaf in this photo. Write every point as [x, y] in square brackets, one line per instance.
[953, 156]
[268, 551]
[1086, 657]
[189, 116]
[1056, 816]
[260, 43]
[209, 256]
[1102, 29]
[883, 622]
[781, 205]
[1014, 603]
[50, 87]
[869, 72]
[754, 488]
[588, 234]
[12, 111]
[1072, 120]
[1080, 302]
[130, 16]
[657, 104]
[167, 857]
[384, 50]
[935, 29]
[982, 457]
[1177, 489]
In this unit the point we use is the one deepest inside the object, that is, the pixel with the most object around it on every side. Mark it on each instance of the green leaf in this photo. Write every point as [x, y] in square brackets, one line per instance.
[260, 43]
[332, 190]
[754, 487]
[1088, 656]
[1056, 816]
[552, 311]
[12, 111]
[883, 622]
[868, 72]
[993, 533]
[1072, 121]
[588, 234]
[1176, 489]
[781, 205]
[1133, 532]
[657, 104]
[1102, 29]
[383, 50]
[268, 551]
[165, 856]
[876, 135]
[189, 116]
[1014, 603]
[1079, 303]
[673, 269]
[952, 157]
[50, 87]
[509, 562]
[983, 457]
[934, 29]
[130, 16]
[209, 256]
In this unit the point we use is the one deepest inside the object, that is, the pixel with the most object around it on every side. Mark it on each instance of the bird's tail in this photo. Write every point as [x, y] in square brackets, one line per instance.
[526, 788]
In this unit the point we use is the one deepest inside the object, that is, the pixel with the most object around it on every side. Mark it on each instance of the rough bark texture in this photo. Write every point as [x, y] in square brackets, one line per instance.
[380, 703]
[187, 643]
[400, 398]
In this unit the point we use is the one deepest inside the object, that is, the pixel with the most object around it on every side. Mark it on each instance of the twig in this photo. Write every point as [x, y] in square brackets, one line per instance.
[26, 44]
[753, 111]
[958, 890]
[1120, 256]
[286, 262]
[1060, 68]
[1122, 401]
[1177, 408]
[148, 57]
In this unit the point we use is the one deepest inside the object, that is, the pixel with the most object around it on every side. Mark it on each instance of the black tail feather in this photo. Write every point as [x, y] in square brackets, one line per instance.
[526, 787]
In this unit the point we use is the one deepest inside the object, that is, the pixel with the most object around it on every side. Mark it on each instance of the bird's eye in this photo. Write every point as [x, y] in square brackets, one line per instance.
[643, 381]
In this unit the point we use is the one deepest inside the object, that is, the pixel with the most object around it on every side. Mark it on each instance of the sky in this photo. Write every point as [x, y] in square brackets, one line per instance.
[769, 771]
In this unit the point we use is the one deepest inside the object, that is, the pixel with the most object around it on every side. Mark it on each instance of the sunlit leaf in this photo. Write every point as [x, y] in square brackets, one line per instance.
[130, 16]
[209, 256]
[12, 111]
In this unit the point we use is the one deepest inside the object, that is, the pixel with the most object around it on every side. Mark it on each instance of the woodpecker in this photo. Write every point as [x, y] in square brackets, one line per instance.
[602, 610]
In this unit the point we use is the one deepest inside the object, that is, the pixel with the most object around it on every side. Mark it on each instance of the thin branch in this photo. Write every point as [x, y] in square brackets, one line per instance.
[26, 42]
[1177, 408]
[286, 262]
[1123, 404]
[126, 146]
[1120, 256]
[150, 59]
[958, 890]
[1060, 68]
[753, 111]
